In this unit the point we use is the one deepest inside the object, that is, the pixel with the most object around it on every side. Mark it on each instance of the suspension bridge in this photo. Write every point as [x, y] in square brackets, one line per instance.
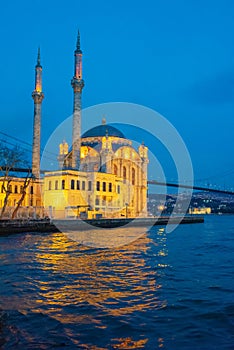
[150, 182]
[27, 147]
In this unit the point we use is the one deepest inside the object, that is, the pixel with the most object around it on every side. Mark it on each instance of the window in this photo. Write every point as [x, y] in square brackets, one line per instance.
[83, 185]
[63, 184]
[10, 189]
[110, 187]
[49, 187]
[31, 189]
[21, 189]
[16, 189]
[98, 186]
[115, 169]
[90, 186]
[124, 173]
[118, 189]
[56, 184]
[78, 185]
[104, 186]
[133, 176]
[97, 201]
[72, 184]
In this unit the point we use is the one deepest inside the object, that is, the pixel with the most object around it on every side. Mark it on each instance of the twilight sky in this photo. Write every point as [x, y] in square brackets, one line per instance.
[176, 57]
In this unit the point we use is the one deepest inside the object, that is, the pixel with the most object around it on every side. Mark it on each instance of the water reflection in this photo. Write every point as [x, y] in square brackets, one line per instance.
[89, 288]
[117, 282]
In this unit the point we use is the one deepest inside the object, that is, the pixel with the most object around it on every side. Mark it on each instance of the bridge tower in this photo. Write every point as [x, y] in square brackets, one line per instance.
[37, 96]
[77, 85]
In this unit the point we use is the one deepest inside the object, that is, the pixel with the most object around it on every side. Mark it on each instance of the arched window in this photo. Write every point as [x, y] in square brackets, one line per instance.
[124, 173]
[133, 176]
[115, 169]
[72, 184]
[63, 184]
[16, 189]
[104, 186]
[90, 186]
[98, 186]
[49, 187]
[56, 184]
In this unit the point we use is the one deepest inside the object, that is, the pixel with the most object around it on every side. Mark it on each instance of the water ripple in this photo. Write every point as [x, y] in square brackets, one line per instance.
[164, 291]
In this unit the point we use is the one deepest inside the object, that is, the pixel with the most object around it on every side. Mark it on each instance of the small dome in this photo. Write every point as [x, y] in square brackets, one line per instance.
[103, 130]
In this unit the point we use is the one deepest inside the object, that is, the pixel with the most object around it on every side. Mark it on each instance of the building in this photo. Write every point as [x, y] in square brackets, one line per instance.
[100, 175]
[29, 195]
[200, 211]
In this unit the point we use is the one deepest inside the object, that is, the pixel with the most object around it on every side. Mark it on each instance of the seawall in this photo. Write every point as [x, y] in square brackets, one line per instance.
[19, 226]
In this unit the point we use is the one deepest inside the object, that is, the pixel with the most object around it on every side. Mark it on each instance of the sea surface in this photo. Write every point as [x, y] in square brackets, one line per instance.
[160, 291]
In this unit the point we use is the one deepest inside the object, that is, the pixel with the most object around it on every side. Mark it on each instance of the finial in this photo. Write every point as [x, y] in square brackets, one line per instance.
[103, 121]
[39, 57]
[78, 43]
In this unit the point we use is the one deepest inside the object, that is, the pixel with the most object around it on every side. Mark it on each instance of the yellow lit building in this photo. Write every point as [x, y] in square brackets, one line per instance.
[31, 206]
[100, 175]
[112, 181]
[202, 211]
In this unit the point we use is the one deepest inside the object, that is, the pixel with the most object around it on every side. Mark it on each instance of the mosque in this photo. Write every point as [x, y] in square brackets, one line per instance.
[100, 175]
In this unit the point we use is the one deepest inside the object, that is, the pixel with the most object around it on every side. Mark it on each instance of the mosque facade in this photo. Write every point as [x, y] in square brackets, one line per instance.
[100, 175]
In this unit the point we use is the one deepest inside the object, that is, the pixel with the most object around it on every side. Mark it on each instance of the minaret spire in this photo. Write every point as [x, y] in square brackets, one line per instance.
[37, 96]
[77, 85]
[38, 57]
[78, 43]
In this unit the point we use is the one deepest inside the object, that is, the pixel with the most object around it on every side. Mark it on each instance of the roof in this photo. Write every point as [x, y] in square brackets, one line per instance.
[103, 130]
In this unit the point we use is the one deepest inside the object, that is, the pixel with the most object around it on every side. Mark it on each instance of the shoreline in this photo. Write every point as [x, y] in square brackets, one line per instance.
[8, 227]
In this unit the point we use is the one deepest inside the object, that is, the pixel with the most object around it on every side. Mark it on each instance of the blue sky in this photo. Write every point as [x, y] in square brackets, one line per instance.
[176, 57]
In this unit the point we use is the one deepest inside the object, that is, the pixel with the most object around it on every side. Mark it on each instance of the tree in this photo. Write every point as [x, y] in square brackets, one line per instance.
[26, 183]
[10, 159]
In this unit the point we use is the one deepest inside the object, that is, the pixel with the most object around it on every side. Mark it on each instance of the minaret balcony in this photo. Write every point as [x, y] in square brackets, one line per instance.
[37, 96]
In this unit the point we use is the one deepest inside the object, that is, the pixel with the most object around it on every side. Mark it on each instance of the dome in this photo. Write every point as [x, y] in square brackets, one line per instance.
[103, 130]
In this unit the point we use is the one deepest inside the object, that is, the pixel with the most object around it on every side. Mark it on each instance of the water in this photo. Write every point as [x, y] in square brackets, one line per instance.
[162, 291]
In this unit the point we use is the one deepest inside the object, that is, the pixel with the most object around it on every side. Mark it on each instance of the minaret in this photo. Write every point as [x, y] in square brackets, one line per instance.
[77, 85]
[37, 96]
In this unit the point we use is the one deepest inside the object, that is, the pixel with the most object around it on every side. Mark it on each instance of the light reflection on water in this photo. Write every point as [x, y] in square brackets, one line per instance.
[56, 277]
[169, 291]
